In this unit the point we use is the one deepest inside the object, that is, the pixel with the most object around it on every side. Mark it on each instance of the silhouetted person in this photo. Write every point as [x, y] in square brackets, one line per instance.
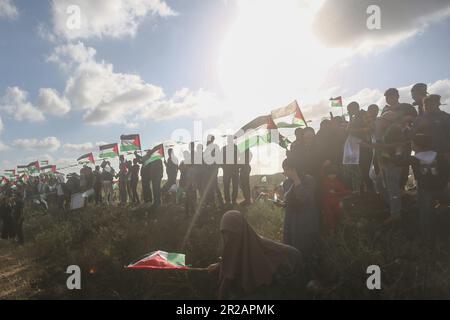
[18, 218]
[171, 171]
[436, 124]
[418, 93]
[98, 185]
[134, 179]
[6, 217]
[212, 157]
[145, 176]
[356, 130]
[199, 172]
[244, 177]
[392, 99]
[230, 171]
[129, 169]
[122, 175]
[156, 175]
[431, 172]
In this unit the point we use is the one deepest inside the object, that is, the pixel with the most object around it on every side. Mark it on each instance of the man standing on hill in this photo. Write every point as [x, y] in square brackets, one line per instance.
[134, 179]
[98, 185]
[156, 174]
[171, 171]
[230, 171]
[212, 158]
[436, 124]
[244, 177]
[145, 176]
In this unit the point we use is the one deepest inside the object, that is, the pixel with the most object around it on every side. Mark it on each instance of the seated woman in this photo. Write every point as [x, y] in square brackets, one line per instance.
[253, 267]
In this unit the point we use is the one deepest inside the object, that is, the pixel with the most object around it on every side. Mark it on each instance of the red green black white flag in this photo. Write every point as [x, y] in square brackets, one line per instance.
[33, 167]
[109, 151]
[86, 159]
[336, 102]
[160, 260]
[130, 142]
[289, 117]
[157, 153]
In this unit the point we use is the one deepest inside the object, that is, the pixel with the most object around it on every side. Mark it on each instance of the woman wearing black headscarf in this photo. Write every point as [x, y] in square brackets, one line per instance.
[253, 267]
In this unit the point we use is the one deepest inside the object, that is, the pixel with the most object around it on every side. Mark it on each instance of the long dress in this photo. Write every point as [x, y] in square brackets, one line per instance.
[301, 222]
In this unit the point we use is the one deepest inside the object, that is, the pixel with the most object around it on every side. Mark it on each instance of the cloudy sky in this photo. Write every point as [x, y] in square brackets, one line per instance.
[155, 66]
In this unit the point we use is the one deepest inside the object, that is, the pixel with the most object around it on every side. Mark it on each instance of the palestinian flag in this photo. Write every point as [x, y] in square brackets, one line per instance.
[86, 159]
[10, 173]
[157, 154]
[109, 151]
[49, 169]
[160, 260]
[336, 102]
[130, 142]
[44, 162]
[22, 169]
[33, 167]
[260, 131]
[289, 117]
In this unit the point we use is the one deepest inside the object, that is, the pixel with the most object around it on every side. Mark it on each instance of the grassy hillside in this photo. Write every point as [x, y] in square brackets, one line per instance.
[103, 240]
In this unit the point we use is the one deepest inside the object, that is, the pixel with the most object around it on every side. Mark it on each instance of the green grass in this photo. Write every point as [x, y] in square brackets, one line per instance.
[103, 240]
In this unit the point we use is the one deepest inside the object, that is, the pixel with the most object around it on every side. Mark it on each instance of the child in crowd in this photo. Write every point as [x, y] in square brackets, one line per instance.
[333, 192]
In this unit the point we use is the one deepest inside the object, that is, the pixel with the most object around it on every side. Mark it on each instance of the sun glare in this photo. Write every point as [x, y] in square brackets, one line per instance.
[271, 56]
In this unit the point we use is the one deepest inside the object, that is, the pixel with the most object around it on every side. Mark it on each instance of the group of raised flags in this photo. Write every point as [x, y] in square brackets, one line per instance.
[266, 129]
[275, 127]
[128, 144]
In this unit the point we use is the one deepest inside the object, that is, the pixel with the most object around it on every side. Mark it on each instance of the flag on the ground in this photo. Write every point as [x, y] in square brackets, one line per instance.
[289, 117]
[157, 154]
[160, 260]
[130, 142]
[87, 158]
[260, 131]
[109, 151]
[49, 169]
[336, 102]
[33, 167]
[44, 162]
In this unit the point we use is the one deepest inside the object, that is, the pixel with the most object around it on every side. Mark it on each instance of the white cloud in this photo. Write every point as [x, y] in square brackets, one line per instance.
[15, 103]
[112, 18]
[51, 102]
[344, 23]
[132, 125]
[106, 96]
[47, 144]
[80, 148]
[8, 10]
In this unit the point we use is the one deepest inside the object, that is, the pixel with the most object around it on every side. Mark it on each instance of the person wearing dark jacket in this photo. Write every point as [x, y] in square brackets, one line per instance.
[431, 172]
[134, 179]
[171, 171]
[97, 185]
[230, 169]
[7, 218]
[145, 176]
[17, 218]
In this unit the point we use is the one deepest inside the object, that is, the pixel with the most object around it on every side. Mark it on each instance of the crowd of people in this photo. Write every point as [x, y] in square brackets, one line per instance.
[376, 153]
[371, 154]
